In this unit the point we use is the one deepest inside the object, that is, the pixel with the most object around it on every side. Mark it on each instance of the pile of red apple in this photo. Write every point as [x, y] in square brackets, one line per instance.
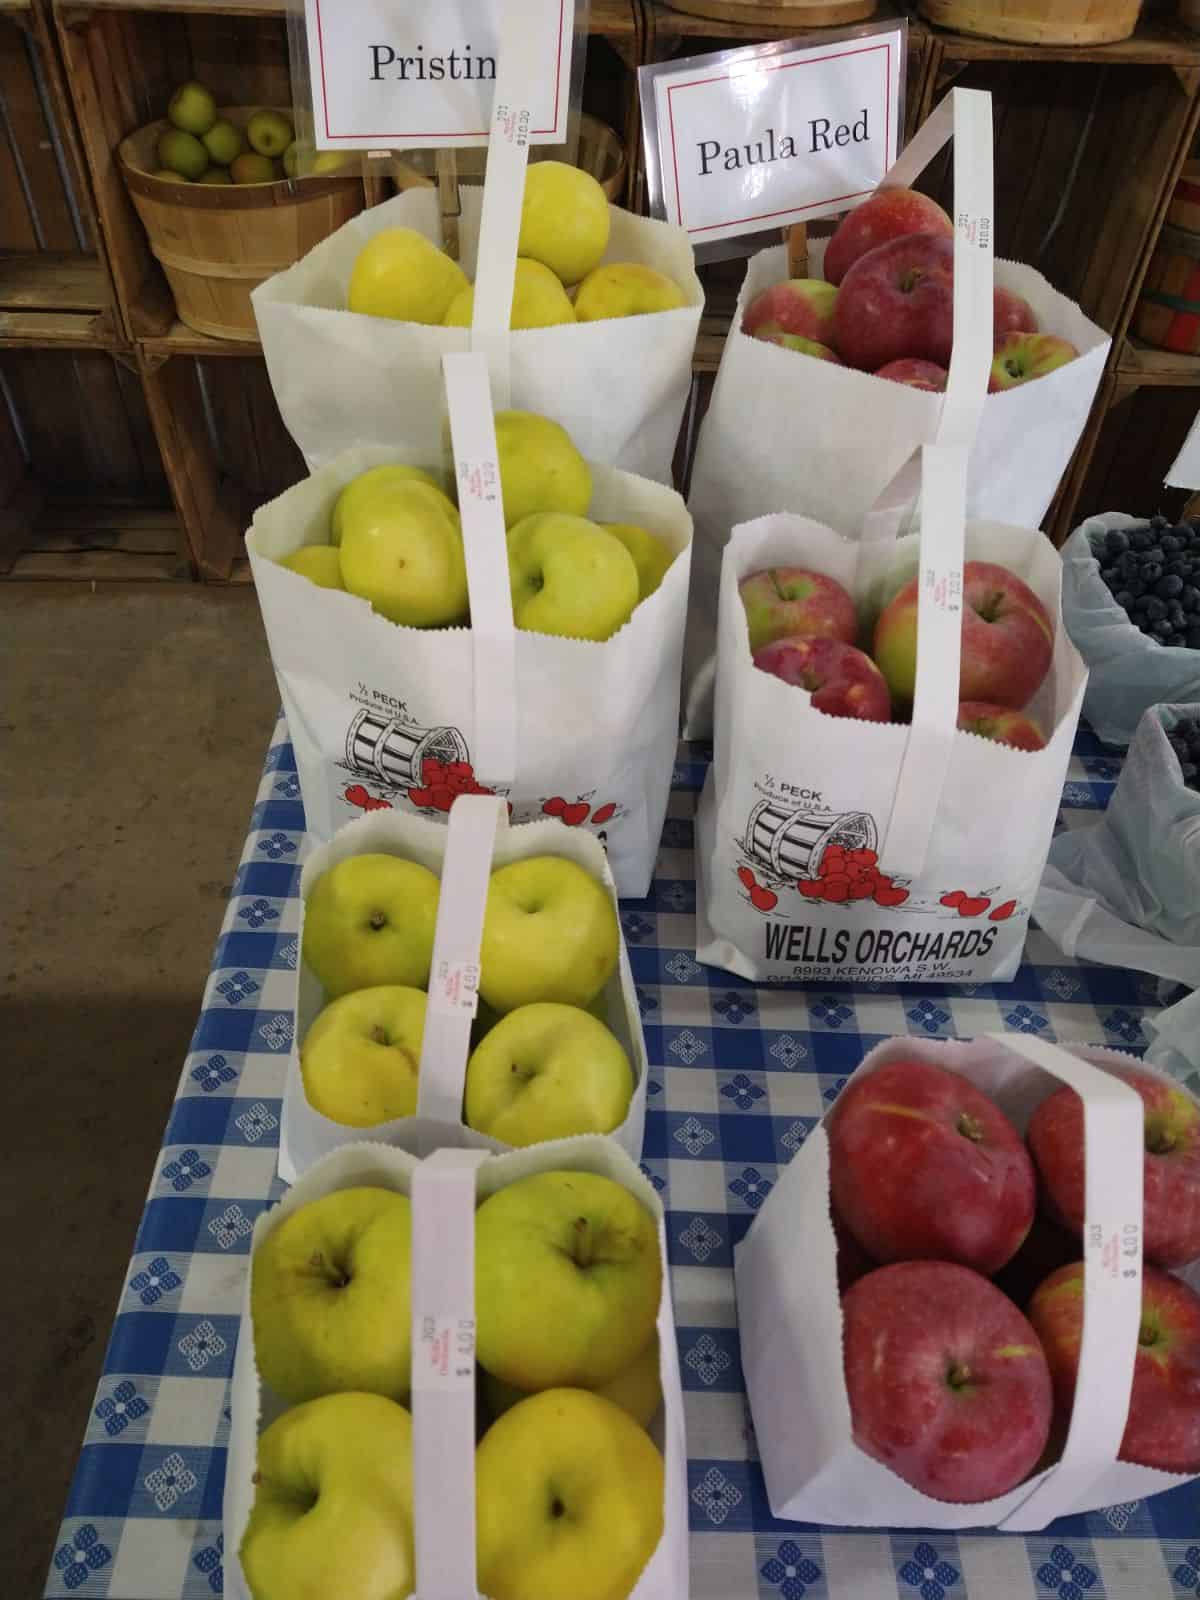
[804, 626]
[954, 1386]
[886, 302]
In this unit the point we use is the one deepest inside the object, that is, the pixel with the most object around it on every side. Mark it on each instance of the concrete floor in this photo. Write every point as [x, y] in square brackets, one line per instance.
[135, 720]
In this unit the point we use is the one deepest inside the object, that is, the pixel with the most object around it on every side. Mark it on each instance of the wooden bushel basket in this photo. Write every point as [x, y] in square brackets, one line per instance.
[217, 243]
[780, 13]
[1038, 21]
[599, 151]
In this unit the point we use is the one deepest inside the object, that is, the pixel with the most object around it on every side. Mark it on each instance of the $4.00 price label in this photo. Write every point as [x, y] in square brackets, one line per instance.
[445, 1353]
[1117, 1250]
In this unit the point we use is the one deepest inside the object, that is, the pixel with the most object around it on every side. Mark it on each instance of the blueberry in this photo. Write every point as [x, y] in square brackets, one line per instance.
[1159, 521]
[1161, 629]
[1193, 639]
[1155, 553]
[1175, 569]
[1189, 597]
[1154, 608]
[1169, 586]
[1171, 543]
[1116, 540]
[1141, 606]
[1141, 539]
[1151, 571]
[1123, 598]
[1135, 587]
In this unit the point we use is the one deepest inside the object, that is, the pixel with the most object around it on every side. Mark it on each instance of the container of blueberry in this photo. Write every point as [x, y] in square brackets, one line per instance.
[1131, 604]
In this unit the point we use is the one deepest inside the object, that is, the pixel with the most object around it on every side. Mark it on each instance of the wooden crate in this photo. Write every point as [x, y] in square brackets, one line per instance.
[1139, 431]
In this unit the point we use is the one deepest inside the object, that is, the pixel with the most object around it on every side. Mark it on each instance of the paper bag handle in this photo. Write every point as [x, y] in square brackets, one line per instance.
[453, 1001]
[485, 546]
[443, 1372]
[503, 192]
[1112, 1252]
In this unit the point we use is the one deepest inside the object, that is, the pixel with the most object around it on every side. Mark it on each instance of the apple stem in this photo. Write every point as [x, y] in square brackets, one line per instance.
[378, 920]
[583, 1242]
[378, 1034]
[1147, 1334]
[970, 1127]
[959, 1375]
[1159, 1142]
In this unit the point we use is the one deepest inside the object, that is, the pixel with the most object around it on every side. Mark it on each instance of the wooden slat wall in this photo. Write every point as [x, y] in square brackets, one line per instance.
[35, 209]
[253, 447]
[1139, 439]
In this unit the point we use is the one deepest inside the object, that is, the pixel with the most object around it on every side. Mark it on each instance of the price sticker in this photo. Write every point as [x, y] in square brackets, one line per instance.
[454, 986]
[445, 1353]
[479, 482]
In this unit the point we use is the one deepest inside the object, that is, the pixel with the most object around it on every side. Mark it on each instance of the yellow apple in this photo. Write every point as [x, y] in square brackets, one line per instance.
[192, 108]
[402, 274]
[625, 289]
[167, 176]
[402, 549]
[637, 1390]
[329, 1297]
[550, 932]
[328, 161]
[539, 300]
[370, 920]
[361, 1058]
[182, 153]
[652, 555]
[252, 168]
[564, 219]
[569, 577]
[547, 1071]
[540, 468]
[567, 1280]
[333, 1503]
[213, 175]
[319, 563]
[224, 142]
[568, 1500]
[361, 488]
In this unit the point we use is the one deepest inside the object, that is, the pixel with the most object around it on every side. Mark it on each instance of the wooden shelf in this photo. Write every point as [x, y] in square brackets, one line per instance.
[1155, 43]
[1141, 364]
[180, 340]
[106, 544]
[54, 300]
[670, 23]
[615, 18]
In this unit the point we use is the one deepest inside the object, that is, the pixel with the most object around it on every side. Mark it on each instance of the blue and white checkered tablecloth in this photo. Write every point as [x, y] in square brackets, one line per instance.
[739, 1076]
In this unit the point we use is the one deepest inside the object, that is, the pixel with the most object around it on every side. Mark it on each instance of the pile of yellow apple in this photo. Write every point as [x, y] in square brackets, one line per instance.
[543, 1066]
[202, 147]
[564, 233]
[568, 1485]
[396, 541]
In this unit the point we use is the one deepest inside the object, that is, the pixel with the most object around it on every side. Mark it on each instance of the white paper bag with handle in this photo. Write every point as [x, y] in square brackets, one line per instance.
[785, 432]
[342, 379]
[791, 1319]
[463, 855]
[837, 849]
[444, 1191]
[388, 716]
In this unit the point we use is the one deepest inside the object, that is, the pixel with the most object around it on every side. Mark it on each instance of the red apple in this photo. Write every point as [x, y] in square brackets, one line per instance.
[1007, 638]
[806, 347]
[886, 214]
[1011, 314]
[843, 681]
[1024, 356]
[1171, 1186]
[1001, 724]
[898, 301]
[1162, 1428]
[923, 1166]
[791, 600]
[917, 374]
[947, 1383]
[801, 305]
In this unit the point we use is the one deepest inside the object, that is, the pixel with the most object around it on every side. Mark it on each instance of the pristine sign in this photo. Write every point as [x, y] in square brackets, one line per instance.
[760, 138]
[423, 74]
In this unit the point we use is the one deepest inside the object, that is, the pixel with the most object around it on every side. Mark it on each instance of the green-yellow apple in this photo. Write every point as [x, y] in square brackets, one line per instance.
[402, 549]
[329, 1297]
[167, 176]
[564, 219]
[540, 468]
[361, 1057]
[569, 577]
[651, 553]
[567, 1280]
[298, 159]
[547, 1071]
[539, 300]
[327, 161]
[402, 274]
[568, 1500]
[192, 108]
[269, 132]
[550, 932]
[370, 920]
[1021, 357]
[359, 490]
[781, 602]
[319, 563]
[333, 1497]
[224, 142]
[637, 1390]
[1007, 638]
[182, 153]
[252, 168]
[625, 289]
[213, 175]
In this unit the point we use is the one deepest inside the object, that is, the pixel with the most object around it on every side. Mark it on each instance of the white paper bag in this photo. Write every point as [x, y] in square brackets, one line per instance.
[791, 1322]
[1129, 672]
[785, 432]
[444, 1191]
[477, 840]
[1126, 890]
[566, 727]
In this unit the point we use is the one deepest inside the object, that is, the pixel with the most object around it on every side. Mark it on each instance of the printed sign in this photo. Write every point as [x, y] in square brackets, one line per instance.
[743, 140]
[423, 75]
